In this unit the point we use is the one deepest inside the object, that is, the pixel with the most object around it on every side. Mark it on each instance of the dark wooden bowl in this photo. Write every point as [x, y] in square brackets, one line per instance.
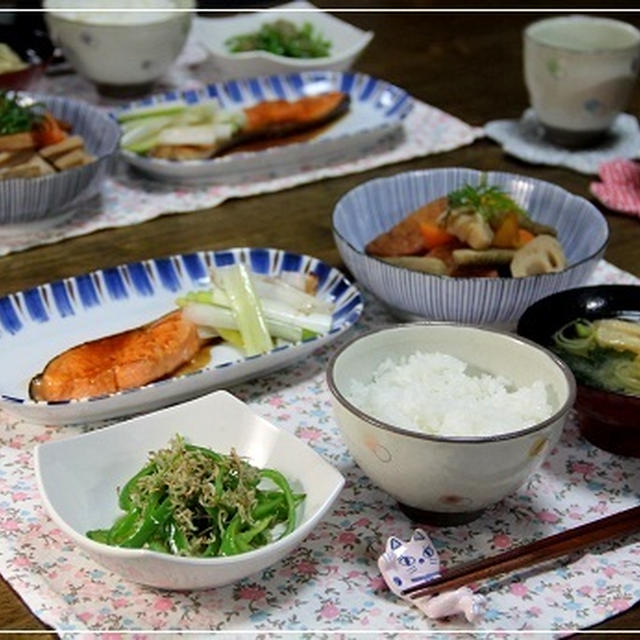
[607, 419]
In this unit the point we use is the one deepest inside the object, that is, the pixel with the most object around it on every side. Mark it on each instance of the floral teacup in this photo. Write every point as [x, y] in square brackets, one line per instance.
[579, 71]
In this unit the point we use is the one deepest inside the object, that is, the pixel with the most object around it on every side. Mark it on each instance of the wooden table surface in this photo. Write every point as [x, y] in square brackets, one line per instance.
[468, 64]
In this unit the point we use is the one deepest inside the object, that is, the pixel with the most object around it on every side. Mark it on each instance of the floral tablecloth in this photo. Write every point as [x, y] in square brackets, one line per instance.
[331, 582]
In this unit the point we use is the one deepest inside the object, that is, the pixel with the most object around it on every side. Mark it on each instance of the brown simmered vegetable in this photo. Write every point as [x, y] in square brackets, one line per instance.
[469, 227]
[405, 238]
[424, 264]
[536, 228]
[33, 142]
[471, 257]
[542, 255]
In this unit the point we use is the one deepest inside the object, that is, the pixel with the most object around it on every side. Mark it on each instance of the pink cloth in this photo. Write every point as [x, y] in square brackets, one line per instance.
[620, 186]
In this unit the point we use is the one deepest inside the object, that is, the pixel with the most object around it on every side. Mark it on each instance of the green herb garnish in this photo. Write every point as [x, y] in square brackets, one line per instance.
[488, 201]
[15, 117]
[282, 38]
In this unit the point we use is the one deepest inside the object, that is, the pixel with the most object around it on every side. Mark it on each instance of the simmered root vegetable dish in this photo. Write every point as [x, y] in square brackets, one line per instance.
[473, 231]
[34, 143]
[191, 501]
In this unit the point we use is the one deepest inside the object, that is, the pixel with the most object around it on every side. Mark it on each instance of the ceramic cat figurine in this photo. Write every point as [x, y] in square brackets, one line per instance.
[407, 564]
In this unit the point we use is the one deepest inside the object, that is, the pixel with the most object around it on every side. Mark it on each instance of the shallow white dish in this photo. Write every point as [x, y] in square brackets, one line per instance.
[376, 110]
[37, 324]
[78, 479]
[348, 42]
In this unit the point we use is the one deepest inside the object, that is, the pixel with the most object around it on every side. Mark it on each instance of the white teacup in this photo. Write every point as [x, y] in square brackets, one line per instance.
[579, 71]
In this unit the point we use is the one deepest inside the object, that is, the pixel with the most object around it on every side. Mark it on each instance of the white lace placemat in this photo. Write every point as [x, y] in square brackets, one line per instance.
[523, 139]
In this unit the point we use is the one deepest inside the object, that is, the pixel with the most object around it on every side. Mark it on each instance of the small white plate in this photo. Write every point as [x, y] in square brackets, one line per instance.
[347, 41]
[78, 479]
[37, 324]
[376, 110]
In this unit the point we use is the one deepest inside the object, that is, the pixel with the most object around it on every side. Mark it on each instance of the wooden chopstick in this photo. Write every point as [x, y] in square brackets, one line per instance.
[560, 544]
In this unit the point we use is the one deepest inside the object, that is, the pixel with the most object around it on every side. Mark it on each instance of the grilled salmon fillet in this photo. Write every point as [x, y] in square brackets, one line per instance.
[280, 117]
[122, 361]
[267, 119]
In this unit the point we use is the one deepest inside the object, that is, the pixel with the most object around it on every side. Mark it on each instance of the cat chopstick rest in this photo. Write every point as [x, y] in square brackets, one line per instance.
[413, 563]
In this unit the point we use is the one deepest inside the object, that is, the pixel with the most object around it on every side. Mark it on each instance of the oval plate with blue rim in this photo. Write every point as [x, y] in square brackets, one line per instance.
[375, 116]
[38, 324]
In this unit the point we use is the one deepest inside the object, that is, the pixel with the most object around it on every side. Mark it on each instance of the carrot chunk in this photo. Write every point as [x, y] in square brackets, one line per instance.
[433, 235]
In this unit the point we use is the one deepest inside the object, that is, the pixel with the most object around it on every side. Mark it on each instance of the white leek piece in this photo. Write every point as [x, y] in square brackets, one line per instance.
[220, 319]
[273, 310]
[198, 114]
[275, 289]
[199, 135]
[246, 308]
[210, 315]
[161, 109]
[144, 136]
[280, 312]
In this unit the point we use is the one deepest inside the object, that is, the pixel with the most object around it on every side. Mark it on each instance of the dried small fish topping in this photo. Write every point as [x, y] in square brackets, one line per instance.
[191, 501]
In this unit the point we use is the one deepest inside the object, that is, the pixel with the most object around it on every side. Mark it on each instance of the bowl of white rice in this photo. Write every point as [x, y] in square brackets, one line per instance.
[122, 46]
[447, 418]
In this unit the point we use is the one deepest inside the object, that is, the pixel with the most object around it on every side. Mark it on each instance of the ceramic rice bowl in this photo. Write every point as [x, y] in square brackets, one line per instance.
[438, 479]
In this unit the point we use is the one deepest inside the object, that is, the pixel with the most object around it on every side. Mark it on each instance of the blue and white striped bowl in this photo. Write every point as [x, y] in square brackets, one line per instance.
[375, 206]
[43, 200]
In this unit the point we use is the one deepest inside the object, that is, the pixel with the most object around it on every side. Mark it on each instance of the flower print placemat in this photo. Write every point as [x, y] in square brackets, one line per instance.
[331, 582]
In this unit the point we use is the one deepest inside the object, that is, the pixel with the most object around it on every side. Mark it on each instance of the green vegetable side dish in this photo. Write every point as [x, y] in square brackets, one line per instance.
[282, 38]
[191, 501]
[15, 117]
[604, 353]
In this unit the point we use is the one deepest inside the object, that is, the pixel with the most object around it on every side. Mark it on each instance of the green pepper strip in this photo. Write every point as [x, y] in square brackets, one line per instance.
[124, 500]
[152, 519]
[123, 526]
[267, 506]
[99, 535]
[219, 485]
[216, 457]
[176, 539]
[228, 546]
[244, 539]
[281, 482]
[158, 545]
[212, 549]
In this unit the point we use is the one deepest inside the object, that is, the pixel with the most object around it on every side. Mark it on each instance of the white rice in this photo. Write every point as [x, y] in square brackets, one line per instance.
[119, 12]
[438, 394]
